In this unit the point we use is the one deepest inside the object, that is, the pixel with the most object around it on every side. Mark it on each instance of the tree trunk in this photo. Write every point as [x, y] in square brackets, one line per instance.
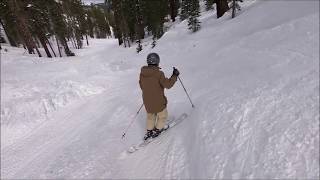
[87, 40]
[39, 54]
[233, 8]
[22, 27]
[173, 10]
[124, 42]
[140, 31]
[66, 47]
[79, 43]
[222, 7]
[120, 41]
[54, 53]
[128, 40]
[73, 43]
[36, 41]
[44, 45]
[11, 40]
[58, 47]
[78, 38]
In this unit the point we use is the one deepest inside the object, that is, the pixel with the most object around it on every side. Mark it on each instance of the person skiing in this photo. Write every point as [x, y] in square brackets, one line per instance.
[152, 83]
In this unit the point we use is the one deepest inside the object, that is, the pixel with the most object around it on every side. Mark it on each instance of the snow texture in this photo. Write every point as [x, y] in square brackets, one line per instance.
[254, 81]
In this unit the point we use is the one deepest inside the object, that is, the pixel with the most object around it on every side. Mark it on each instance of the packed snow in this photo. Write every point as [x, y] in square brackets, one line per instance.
[254, 81]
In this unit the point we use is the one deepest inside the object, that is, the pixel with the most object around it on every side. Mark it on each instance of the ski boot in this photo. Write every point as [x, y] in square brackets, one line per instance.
[148, 135]
[156, 132]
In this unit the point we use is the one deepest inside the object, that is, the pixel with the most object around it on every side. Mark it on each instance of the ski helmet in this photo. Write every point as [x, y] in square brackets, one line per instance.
[153, 59]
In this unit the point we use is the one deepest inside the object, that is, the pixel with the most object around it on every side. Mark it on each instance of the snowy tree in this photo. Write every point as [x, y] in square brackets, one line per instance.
[59, 26]
[193, 22]
[154, 16]
[116, 7]
[139, 27]
[101, 27]
[20, 16]
[38, 21]
[8, 22]
[184, 10]
[130, 18]
[190, 10]
[32, 23]
[209, 4]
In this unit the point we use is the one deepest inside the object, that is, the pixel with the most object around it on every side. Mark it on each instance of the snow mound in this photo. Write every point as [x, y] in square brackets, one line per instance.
[27, 106]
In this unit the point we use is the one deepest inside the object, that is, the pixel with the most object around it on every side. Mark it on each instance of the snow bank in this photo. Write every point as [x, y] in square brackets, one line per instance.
[31, 90]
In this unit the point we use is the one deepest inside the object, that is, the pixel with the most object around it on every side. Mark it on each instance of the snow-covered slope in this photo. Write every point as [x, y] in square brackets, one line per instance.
[254, 81]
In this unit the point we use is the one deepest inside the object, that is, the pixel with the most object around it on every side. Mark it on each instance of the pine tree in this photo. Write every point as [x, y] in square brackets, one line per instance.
[22, 26]
[154, 13]
[99, 22]
[110, 18]
[193, 14]
[8, 22]
[130, 16]
[116, 7]
[38, 22]
[59, 25]
[90, 24]
[209, 4]
[139, 27]
[184, 10]
[33, 22]
[80, 23]
[75, 16]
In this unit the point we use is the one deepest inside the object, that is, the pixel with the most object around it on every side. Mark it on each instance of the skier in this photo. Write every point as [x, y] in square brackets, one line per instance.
[152, 83]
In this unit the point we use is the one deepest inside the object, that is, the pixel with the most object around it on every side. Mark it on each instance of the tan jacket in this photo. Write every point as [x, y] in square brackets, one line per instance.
[152, 83]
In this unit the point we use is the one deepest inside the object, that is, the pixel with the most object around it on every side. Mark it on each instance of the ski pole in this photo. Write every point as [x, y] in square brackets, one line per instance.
[134, 118]
[186, 92]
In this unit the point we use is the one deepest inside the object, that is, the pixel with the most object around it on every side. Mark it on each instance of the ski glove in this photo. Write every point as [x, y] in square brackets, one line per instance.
[175, 72]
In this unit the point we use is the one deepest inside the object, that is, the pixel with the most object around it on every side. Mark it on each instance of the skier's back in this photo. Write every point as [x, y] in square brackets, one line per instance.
[152, 83]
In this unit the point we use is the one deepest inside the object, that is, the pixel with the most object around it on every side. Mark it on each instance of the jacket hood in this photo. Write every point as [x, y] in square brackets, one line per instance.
[148, 71]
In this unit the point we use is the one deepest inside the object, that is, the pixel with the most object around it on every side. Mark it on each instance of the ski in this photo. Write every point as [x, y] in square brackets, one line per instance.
[170, 125]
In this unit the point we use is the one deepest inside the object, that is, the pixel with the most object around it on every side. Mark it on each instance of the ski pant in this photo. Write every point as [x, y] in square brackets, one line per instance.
[157, 120]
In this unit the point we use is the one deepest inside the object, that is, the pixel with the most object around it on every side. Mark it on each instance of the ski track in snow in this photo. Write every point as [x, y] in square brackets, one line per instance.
[256, 115]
